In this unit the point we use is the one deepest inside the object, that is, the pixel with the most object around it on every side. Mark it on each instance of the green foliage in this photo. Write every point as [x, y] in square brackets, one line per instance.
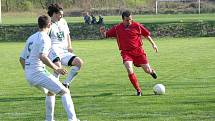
[17, 5]
[133, 3]
[83, 32]
[181, 25]
[25, 5]
[112, 7]
[102, 91]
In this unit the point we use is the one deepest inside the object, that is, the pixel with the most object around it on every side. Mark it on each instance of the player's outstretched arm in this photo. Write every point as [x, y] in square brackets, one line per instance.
[44, 58]
[102, 31]
[153, 43]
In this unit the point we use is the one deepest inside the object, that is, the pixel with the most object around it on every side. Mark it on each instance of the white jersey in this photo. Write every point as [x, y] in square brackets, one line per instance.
[35, 71]
[36, 44]
[58, 34]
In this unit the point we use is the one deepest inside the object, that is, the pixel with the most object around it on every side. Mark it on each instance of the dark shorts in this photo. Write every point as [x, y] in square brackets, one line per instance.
[138, 56]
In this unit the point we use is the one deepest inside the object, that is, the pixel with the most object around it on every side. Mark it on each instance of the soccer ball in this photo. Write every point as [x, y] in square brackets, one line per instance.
[159, 89]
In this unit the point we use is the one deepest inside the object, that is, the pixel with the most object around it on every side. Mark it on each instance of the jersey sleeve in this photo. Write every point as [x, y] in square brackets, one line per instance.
[111, 32]
[24, 52]
[145, 32]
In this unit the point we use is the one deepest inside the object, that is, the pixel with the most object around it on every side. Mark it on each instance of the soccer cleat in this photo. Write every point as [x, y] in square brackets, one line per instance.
[139, 93]
[153, 74]
[67, 86]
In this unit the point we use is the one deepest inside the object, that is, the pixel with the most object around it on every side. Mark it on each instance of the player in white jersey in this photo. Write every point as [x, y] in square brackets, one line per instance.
[33, 59]
[62, 52]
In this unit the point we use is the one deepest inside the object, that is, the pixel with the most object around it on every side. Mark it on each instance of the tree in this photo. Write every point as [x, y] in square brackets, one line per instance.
[45, 3]
[0, 12]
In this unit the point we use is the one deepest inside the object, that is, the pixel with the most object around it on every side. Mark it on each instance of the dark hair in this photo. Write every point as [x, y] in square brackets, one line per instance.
[126, 14]
[54, 8]
[43, 21]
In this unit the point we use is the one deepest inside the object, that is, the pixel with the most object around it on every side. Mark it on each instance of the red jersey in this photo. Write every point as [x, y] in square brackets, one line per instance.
[128, 38]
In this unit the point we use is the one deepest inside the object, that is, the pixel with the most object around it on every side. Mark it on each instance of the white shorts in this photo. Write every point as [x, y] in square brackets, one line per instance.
[44, 80]
[63, 54]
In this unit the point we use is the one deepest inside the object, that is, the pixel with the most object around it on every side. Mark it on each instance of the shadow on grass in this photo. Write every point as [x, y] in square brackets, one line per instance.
[15, 99]
[144, 95]
[99, 95]
[112, 94]
[21, 99]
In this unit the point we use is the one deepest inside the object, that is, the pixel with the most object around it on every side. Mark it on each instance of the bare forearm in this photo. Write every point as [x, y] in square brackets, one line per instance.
[151, 40]
[69, 41]
[22, 62]
[103, 31]
[104, 34]
[44, 58]
[154, 46]
[48, 62]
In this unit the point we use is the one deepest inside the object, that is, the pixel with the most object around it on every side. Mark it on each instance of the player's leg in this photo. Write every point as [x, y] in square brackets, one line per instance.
[142, 61]
[149, 70]
[75, 62]
[57, 63]
[54, 85]
[65, 98]
[68, 104]
[56, 60]
[132, 76]
[50, 105]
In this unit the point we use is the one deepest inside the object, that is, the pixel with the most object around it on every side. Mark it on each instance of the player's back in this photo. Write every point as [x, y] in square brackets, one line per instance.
[34, 46]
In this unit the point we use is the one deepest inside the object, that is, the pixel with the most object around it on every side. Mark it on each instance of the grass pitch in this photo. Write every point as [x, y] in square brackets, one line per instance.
[29, 18]
[102, 91]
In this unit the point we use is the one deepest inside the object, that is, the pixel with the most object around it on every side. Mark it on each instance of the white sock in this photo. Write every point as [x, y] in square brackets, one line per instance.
[68, 106]
[71, 75]
[56, 75]
[50, 104]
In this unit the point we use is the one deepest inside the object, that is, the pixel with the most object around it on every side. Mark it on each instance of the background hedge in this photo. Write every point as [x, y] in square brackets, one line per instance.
[86, 32]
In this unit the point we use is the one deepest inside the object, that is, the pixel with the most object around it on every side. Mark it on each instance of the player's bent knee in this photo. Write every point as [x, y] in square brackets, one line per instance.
[50, 94]
[130, 71]
[64, 91]
[75, 61]
[79, 62]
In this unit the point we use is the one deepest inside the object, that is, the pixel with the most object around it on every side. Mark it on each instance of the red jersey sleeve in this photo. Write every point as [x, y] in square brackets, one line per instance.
[111, 32]
[145, 32]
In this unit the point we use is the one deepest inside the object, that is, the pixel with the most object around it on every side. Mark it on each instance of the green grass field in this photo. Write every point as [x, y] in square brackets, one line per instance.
[28, 18]
[102, 91]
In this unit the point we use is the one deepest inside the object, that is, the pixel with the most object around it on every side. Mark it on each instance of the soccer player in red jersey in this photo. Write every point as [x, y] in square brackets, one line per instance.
[129, 39]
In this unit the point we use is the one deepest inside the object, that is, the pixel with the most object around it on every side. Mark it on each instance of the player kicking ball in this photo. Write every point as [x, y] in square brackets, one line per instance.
[62, 52]
[129, 39]
[33, 59]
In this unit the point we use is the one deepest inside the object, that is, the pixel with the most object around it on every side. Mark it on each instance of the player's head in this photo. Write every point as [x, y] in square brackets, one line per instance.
[44, 22]
[55, 11]
[126, 17]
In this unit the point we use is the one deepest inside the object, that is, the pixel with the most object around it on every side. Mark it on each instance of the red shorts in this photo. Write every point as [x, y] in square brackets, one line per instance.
[138, 56]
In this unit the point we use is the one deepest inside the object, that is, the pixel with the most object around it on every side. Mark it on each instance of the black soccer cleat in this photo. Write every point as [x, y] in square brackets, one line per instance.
[139, 93]
[65, 85]
[153, 74]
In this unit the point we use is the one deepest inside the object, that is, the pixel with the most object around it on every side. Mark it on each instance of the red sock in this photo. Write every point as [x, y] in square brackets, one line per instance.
[134, 81]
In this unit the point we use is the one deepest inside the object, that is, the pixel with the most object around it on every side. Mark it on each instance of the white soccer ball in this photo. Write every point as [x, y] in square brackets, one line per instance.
[159, 89]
